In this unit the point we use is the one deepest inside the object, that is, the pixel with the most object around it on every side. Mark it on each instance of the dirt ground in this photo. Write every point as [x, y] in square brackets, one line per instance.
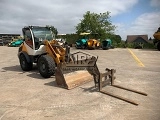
[28, 96]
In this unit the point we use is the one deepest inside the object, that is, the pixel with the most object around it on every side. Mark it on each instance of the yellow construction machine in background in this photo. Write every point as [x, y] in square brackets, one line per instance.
[156, 35]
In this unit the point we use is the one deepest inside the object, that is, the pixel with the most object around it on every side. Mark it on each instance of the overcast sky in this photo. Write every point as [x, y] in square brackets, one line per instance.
[130, 16]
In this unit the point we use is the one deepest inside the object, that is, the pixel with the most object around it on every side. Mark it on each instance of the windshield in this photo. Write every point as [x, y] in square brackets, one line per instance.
[42, 33]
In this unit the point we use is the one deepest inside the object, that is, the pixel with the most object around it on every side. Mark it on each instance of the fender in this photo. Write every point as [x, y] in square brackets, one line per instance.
[40, 56]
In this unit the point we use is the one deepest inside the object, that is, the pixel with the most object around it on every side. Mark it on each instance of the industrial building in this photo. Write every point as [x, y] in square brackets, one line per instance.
[6, 38]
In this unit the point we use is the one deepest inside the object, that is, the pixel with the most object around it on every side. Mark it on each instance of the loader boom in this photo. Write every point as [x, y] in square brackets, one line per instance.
[54, 50]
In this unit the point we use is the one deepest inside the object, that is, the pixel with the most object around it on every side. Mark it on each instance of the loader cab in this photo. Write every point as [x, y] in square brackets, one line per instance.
[34, 35]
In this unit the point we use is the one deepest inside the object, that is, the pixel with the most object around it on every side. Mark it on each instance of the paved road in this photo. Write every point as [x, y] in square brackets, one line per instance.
[27, 96]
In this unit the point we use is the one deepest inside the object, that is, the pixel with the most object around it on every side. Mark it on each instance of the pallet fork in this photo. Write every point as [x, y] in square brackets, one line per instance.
[89, 69]
[110, 81]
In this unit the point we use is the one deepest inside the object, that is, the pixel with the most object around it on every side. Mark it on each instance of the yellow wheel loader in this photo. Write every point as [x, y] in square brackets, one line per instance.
[70, 70]
[40, 47]
[156, 35]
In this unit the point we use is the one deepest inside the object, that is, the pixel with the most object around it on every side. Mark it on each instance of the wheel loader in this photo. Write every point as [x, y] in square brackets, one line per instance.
[156, 35]
[70, 69]
[41, 48]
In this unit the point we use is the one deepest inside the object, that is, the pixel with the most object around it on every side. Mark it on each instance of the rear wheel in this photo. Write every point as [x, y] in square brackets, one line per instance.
[26, 66]
[46, 66]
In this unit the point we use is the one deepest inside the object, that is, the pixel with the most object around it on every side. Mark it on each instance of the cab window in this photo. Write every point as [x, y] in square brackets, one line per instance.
[28, 38]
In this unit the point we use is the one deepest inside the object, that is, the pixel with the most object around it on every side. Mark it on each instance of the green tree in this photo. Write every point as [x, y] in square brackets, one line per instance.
[116, 39]
[53, 29]
[96, 23]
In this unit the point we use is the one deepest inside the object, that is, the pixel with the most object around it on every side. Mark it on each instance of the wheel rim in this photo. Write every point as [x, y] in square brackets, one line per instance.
[42, 66]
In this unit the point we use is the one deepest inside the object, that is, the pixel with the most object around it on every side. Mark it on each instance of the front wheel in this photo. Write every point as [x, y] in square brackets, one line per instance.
[46, 66]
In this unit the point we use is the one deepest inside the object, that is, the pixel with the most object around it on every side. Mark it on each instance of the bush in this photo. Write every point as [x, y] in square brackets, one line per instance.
[144, 46]
[121, 44]
[130, 45]
[149, 46]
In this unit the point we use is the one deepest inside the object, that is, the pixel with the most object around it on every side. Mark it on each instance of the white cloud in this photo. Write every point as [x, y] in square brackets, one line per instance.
[155, 3]
[63, 14]
[146, 23]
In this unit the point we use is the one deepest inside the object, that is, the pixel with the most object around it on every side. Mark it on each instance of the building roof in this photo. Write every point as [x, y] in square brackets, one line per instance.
[134, 38]
[9, 35]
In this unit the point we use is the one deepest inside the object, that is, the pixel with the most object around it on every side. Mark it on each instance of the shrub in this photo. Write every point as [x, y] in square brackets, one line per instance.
[149, 46]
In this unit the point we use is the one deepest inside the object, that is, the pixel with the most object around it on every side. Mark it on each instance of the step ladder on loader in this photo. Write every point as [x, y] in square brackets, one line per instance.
[85, 70]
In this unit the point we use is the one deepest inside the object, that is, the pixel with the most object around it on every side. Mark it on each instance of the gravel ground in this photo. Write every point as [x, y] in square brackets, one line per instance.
[28, 96]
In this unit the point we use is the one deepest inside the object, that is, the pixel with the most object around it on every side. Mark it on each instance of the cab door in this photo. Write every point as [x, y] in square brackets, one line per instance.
[28, 41]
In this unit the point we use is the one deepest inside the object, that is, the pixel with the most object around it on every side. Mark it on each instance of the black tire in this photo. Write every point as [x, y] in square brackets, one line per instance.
[76, 46]
[26, 66]
[91, 48]
[70, 45]
[112, 47]
[97, 47]
[105, 48]
[158, 46]
[83, 47]
[46, 66]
